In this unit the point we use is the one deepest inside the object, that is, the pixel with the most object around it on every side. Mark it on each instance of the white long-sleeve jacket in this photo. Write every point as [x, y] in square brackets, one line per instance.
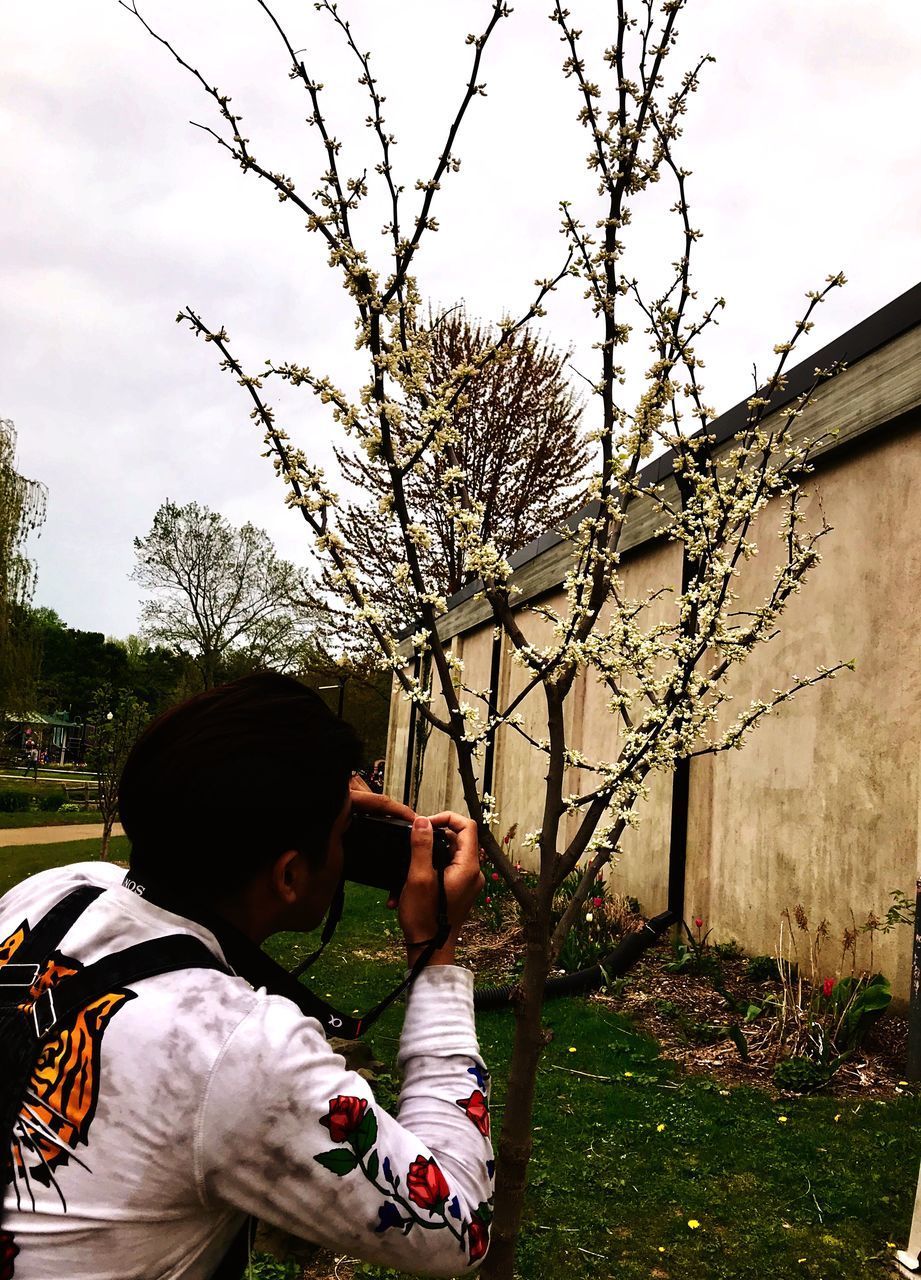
[166, 1112]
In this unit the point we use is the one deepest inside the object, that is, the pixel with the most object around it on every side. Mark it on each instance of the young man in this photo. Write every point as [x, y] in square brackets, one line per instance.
[168, 1110]
[32, 761]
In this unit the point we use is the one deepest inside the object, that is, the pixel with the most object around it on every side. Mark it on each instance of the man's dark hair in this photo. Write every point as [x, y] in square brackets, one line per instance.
[221, 785]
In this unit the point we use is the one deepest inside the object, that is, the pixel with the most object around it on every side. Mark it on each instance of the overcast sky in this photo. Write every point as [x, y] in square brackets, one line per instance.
[114, 212]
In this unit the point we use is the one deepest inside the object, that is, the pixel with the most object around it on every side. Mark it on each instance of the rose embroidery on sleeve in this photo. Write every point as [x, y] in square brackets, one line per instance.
[352, 1123]
[344, 1117]
[476, 1110]
[477, 1238]
[426, 1184]
[422, 1202]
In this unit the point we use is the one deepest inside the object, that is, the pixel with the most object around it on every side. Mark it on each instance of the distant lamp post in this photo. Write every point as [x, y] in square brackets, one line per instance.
[340, 685]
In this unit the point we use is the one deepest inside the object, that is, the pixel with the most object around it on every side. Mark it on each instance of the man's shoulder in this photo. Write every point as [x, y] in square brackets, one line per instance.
[47, 887]
[197, 1005]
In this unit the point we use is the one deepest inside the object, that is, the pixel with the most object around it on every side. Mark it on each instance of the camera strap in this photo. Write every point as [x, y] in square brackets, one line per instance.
[333, 916]
[260, 970]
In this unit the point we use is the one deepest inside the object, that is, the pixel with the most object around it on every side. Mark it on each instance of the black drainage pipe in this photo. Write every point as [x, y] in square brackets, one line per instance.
[614, 965]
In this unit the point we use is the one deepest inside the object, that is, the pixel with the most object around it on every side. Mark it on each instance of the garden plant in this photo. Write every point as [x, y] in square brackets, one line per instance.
[665, 657]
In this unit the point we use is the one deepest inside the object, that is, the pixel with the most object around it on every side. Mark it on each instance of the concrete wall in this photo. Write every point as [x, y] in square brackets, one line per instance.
[822, 805]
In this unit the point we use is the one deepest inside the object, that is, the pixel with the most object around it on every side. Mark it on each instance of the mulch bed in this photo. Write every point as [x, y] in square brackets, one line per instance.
[690, 1001]
[676, 1008]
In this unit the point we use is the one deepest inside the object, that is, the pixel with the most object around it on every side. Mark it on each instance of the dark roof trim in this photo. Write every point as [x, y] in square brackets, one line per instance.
[883, 326]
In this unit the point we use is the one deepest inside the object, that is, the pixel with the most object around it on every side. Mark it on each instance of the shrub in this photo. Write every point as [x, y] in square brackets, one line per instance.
[704, 1032]
[822, 1019]
[68, 808]
[696, 955]
[496, 906]
[15, 801]
[730, 950]
[800, 1074]
[264, 1267]
[50, 801]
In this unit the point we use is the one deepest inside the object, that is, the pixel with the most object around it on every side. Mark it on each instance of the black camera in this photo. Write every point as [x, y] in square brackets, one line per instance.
[377, 851]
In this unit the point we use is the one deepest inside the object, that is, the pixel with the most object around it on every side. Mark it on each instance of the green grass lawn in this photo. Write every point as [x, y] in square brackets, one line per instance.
[44, 788]
[35, 818]
[17, 862]
[807, 1187]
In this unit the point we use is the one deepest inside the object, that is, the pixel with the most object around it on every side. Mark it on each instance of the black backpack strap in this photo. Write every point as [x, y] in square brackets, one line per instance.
[144, 960]
[48, 932]
[235, 1261]
[25, 1025]
[18, 975]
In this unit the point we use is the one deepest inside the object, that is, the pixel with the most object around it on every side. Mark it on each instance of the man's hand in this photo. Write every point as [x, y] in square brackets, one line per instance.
[419, 899]
[364, 800]
[463, 882]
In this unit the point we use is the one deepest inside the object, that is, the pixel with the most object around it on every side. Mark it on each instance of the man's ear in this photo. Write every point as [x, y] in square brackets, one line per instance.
[289, 877]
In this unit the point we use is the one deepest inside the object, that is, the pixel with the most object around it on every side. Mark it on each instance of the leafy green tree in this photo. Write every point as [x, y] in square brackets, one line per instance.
[73, 665]
[115, 723]
[220, 594]
[158, 676]
[22, 511]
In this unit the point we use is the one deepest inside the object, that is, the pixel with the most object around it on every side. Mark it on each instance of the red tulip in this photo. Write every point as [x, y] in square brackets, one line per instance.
[828, 987]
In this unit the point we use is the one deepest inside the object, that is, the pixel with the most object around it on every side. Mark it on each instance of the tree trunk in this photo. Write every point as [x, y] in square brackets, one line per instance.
[515, 1141]
[107, 824]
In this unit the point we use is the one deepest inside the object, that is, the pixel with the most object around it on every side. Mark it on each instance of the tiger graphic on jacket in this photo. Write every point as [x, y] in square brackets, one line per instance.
[62, 1093]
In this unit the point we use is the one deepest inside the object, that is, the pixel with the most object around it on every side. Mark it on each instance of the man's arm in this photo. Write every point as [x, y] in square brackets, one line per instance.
[287, 1134]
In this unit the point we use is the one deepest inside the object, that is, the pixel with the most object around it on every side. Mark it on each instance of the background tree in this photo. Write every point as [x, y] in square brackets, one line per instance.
[73, 664]
[156, 675]
[115, 724]
[517, 441]
[22, 511]
[666, 657]
[222, 595]
[356, 682]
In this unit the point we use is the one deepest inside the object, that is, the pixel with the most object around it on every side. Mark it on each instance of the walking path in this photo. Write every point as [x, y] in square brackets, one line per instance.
[54, 835]
[59, 775]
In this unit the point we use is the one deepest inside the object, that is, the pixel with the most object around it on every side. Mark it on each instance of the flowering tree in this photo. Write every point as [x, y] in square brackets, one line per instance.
[666, 668]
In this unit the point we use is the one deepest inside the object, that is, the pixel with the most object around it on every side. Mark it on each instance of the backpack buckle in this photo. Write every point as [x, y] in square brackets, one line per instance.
[44, 1014]
[19, 975]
